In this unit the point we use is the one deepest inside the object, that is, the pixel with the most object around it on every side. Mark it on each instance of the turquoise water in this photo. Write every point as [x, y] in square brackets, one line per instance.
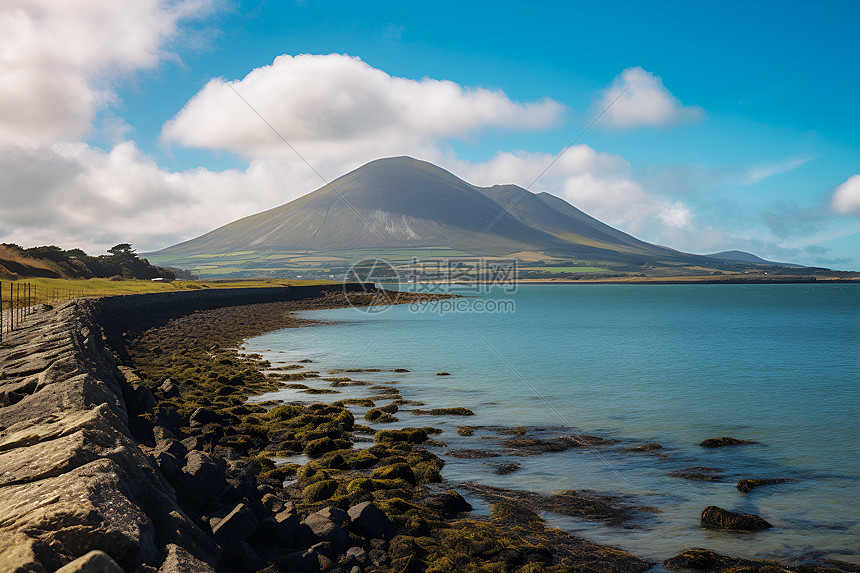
[675, 364]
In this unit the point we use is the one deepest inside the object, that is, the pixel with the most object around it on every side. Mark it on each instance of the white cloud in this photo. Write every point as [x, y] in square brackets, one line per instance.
[846, 198]
[596, 182]
[58, 59]
[338, 108]
[646, 103]
[94, 199]
[762, 172]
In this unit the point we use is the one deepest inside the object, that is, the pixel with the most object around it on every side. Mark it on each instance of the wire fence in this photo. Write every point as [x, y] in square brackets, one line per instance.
[20, 299]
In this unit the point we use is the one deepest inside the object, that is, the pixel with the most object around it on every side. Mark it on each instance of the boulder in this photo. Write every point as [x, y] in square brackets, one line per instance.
[162, 433]
[169, 388]
[179, 560]
[327, 530]
[355, 557]
[169, 418]
[339, 516]
[167, 463]
[178, 529]
[203, 416]
[236, 526]
[369, 521]
[714, 517]
[93, 562]
[199, 480]
[138, 399]
[306, 561]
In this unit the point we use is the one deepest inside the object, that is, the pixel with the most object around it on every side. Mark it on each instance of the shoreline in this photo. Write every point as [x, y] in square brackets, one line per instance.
[171, 436]
[707, 280]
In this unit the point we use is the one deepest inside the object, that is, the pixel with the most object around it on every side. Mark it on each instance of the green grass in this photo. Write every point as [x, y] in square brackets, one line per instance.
[566, 269]
[48, 289]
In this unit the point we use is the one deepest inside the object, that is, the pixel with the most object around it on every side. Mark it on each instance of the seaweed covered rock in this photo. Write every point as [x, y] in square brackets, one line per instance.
[714, 517]
[723, 442]
[320, 490]
[747, 485]
[395, 471]
[406, 435]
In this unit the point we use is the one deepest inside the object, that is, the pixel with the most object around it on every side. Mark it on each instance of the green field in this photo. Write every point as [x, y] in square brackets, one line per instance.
[47, 290]
[566, 269]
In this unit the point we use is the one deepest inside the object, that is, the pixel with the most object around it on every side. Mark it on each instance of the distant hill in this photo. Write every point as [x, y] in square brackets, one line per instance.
[17, 262]
[744, 257]
[402, 203]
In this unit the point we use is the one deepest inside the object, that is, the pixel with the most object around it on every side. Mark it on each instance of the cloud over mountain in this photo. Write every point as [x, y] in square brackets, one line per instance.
[339, 107]
[646, 103]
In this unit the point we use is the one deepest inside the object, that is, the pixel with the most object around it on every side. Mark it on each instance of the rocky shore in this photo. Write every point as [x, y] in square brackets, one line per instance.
[127, 443]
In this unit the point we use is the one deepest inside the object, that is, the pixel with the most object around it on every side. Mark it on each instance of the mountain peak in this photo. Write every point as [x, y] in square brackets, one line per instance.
[406, 203]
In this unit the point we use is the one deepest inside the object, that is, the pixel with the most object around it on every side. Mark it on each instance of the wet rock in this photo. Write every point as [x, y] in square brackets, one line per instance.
[537, 446]
[723, 442]
[698, 473]
[92, 562]
[747, 485]
[473, 454]
[714, 517]
[443, 374]
[588, 505]
[238, 525]
[696, 559]
[180, 560]
[369, 521]
[504, 469]
[327, 530]
[449, 503]
[459, 411]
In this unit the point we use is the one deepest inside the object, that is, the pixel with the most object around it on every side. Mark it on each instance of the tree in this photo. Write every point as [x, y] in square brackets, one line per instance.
[122, 251]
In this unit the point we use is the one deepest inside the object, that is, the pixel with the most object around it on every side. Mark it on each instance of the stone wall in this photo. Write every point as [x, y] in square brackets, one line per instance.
[72, 477]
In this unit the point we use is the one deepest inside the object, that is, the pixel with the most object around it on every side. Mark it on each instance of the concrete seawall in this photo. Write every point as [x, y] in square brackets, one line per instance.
[72, 477]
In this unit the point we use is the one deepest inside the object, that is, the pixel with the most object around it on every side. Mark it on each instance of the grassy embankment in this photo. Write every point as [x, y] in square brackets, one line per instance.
[47, 290]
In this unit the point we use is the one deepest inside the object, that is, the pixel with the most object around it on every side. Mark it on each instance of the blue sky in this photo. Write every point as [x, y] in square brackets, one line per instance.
[739, 129]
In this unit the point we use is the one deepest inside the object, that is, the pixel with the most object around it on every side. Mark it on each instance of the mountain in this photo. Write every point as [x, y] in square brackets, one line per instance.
[403, 203]
[744, 257]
